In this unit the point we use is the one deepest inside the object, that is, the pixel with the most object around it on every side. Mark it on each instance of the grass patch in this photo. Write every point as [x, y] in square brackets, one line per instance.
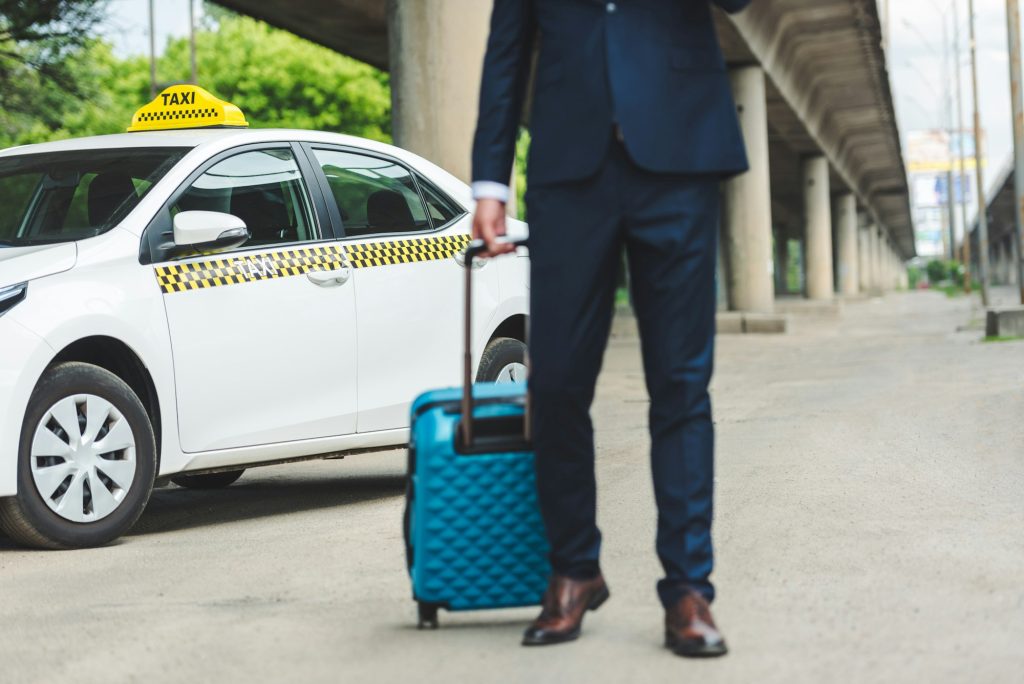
[621, 298]
[952, 290]
[1004, 338]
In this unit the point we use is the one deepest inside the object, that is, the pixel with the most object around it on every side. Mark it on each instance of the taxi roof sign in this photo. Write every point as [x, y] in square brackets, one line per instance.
[186, 106]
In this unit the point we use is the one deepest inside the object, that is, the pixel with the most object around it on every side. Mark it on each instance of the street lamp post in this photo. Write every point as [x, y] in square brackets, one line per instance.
[152, 52]
[948, 106]
[983, 267]
[966, 247]
[1013, 32]
[192, 41]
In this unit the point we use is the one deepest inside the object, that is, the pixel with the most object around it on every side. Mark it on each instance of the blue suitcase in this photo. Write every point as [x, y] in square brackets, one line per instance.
[473, 531]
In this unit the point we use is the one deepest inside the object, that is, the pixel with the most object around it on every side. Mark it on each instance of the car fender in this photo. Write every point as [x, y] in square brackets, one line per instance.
[111, 297]
[24, 358]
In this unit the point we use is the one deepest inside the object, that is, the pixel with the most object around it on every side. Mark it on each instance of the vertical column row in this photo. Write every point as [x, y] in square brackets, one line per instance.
[747, 215]
[847, 243]
[436, 51]
[817, 228]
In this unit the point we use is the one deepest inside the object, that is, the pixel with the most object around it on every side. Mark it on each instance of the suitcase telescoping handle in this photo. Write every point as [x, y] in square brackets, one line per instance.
[474, 250]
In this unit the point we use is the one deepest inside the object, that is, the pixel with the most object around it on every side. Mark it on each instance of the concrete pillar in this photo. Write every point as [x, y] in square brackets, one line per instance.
[894, 265]
[894, 269]
[876, 257]
[883, 255]
[747, 219]
[845, 215]
[817, 228]
[781, 259]
[864, 257]
[883, 286]
[436, 54]
[873, 265]
[721, 285]
[1012, 276]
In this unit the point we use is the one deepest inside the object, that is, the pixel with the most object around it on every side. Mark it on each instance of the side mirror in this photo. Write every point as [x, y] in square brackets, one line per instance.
[209, 230]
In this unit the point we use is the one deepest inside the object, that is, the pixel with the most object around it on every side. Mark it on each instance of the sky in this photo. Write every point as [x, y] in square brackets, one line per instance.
[917, 71]
[127, 24]
[915, 60]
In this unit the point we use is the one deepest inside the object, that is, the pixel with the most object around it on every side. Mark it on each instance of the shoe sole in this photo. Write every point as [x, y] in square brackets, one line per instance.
[689, 649]
[595, 603]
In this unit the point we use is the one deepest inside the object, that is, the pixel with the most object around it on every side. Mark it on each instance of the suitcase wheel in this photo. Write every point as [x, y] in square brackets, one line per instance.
[427, 615]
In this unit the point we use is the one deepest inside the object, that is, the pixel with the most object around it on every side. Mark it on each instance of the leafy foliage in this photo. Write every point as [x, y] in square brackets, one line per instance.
[36, 39]
[280, 80]
[522, 153]
[276, 78]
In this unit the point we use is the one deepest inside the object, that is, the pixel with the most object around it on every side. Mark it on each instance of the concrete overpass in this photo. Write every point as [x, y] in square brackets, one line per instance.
[1002, 231]
[813, 97]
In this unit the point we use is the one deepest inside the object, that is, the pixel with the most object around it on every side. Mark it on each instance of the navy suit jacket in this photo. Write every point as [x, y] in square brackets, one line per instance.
[654, 67]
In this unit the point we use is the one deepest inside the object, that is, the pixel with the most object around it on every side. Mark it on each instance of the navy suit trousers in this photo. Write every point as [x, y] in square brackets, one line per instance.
[668, 225]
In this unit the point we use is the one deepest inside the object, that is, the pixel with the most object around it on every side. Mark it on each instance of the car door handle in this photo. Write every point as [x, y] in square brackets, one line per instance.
[333, 278]
[460, 258]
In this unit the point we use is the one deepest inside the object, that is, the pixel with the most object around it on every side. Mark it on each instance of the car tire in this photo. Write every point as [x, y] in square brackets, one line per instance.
[208, 480]
[106, 414]
[503, 360]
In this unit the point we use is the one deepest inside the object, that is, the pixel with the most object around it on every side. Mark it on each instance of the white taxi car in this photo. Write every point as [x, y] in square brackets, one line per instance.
[183, 304]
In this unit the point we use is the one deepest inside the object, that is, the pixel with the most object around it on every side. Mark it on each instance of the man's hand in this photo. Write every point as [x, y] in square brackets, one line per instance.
[489, 225]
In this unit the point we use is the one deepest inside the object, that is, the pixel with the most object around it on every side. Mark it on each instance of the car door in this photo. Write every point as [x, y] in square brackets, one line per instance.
[401, 235]
[264, 346]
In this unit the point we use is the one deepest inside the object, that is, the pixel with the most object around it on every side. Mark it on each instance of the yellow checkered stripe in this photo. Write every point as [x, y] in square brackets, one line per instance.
[395, 252]
[198, 275]
[199, 113]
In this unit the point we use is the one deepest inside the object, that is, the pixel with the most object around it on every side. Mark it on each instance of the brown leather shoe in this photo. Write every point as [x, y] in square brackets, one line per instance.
[565, 602]
[690, 630]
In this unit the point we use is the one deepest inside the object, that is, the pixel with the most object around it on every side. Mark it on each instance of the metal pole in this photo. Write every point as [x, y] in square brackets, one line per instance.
[950, 241]
[983, 265]
[1013, 31]
[965, 256]
[949, 234]
[885, 33]
[192, 40]
[152, 52]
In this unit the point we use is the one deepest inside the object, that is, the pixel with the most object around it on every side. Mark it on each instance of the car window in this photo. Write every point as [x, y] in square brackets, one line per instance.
[374, 196]
[65, 196]
[441, 209]
[264, 188]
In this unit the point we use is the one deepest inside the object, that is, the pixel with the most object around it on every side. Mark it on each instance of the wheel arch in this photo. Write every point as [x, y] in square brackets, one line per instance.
[114, 356]
[514, 326]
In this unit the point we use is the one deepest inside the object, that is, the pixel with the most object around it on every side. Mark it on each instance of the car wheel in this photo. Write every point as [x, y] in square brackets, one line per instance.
[503, 360]
[207, 480]
[86, 461]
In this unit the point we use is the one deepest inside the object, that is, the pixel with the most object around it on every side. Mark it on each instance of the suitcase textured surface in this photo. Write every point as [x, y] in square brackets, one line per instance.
[474, 534]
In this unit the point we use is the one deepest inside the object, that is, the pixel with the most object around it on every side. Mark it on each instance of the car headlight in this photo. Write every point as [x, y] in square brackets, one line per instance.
[11, 295]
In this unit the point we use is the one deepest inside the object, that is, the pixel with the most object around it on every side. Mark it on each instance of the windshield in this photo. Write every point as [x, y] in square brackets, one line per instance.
[66, 196]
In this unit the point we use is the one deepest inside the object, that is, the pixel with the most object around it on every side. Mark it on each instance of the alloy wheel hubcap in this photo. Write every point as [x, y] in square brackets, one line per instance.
[513, 372]
[83, 458]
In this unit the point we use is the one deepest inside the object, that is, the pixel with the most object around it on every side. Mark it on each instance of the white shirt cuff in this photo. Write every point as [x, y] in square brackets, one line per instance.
[490, 190]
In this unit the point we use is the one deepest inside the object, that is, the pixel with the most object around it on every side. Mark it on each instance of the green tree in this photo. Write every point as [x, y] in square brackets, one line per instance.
[522, 154]
[36, 39]
[938, 271]
[108, 89]
[276, 78]
[280, 80]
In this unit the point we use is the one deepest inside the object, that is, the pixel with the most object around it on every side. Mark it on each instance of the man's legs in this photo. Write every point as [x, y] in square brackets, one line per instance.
[574, 250]
[671, 235]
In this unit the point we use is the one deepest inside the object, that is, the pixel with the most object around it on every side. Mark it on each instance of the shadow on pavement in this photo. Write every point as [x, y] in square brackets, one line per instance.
[174, 508]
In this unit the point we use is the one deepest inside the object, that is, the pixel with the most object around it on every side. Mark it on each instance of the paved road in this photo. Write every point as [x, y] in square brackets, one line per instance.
[870, 511]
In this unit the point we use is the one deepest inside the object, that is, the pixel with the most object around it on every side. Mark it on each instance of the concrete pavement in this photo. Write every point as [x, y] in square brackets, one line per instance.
[869, 528]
